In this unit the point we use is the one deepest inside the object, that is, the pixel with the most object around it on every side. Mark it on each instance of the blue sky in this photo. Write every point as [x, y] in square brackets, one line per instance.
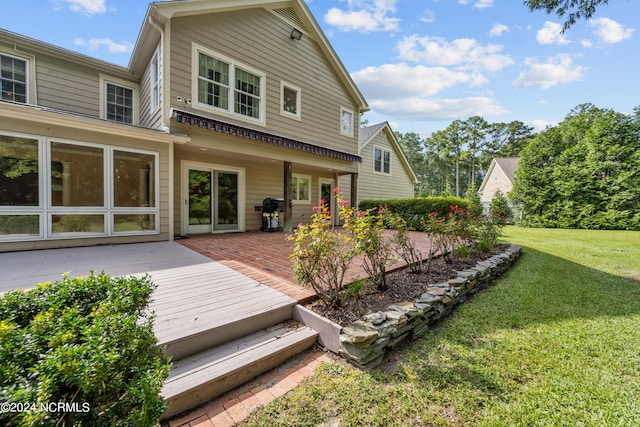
[419, 63]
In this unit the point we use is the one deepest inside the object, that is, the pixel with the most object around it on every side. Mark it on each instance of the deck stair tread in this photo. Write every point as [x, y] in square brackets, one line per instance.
[199, 378]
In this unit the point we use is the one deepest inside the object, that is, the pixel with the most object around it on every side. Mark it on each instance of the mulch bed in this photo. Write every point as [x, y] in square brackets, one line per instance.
[402, 286]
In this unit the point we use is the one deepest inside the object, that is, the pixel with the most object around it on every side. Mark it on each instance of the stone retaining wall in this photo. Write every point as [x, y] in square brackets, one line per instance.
[366, 341]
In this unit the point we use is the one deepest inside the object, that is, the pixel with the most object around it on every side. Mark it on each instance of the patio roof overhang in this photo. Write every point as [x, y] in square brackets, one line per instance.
[256, 135]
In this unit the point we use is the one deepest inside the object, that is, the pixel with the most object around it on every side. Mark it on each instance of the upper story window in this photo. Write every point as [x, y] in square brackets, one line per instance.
[381, 160]
[154, 81]
[346, 122]
[290, 100]
[119, 107]
[13, 78]
[118, 100]
[227, 86]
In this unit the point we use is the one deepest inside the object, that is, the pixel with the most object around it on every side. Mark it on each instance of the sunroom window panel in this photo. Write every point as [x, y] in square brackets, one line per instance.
[78, 223]
[77, 175]
[127, 223]
[19, 178]
[134, 176]
[19, 225]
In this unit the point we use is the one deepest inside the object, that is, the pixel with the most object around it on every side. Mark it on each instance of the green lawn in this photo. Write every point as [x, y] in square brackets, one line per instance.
[555, 342]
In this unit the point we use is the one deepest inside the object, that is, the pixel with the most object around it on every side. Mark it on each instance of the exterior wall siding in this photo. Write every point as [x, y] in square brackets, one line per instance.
[151, 118]
[265, 45]
[375, 185]
[498, 180]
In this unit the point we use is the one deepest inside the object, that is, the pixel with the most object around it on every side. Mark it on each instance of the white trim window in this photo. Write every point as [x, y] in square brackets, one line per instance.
[346, 122]
[154, 81]
[62, 189]
[301, 189]
[14, 79]
[381, 160]
[118, 100]
[290, 99]
[227, 86]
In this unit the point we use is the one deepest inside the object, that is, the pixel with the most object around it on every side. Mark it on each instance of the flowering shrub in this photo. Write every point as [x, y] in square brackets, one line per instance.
[450, 232]
[367, 228]
[321, 254]
[405, 247]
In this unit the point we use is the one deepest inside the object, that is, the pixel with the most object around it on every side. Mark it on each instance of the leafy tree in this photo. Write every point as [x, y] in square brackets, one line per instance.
[569, 10]
[413, 149]
[583, 173]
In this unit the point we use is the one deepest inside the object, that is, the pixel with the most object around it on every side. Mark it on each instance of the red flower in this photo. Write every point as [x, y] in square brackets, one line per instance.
[454, 208]
[345, 203]
[360, 214]
[323, 201]
[381, 211]
[336, 189]
[315, 208]
[433, 214]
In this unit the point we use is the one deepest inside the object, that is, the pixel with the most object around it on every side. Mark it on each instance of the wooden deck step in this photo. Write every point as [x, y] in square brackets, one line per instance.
[201, 377]
[201, 306]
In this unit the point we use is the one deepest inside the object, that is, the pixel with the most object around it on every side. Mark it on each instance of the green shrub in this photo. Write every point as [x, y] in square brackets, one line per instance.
[416, 211]
[85, 345]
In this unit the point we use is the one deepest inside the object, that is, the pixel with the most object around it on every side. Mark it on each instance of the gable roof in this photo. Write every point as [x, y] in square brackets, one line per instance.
[508, 165]
[294, 12]
[367, 134]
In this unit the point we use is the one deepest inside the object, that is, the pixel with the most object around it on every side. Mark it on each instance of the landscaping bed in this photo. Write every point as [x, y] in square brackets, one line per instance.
[364, 328]
[403, 286]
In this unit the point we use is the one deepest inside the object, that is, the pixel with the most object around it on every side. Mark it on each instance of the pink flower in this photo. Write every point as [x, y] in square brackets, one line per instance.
[381, 211]
[360, 214]
[315, 209]
[300, 225]
[328, 212]
[336, 189]
[323, 201]
[433, 214]
[345, 203]
[454, 208]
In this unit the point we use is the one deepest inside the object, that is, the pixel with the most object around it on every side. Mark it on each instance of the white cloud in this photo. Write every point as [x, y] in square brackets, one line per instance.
[364, 16]
[429, 109]
[586, 43]
[428, 16]
[498, 29]
[87, 7]
[397, 81]
[463, 53]
[610, 31]
[551, 33]
[540, 125]
[112, 47]
[556, 70]
[481, 4]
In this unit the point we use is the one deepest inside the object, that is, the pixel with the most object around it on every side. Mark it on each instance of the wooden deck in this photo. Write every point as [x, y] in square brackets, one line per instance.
[194, 292]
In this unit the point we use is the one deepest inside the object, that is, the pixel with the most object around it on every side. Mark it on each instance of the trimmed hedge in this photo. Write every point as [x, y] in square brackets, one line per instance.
[80, 352]
[416, 209]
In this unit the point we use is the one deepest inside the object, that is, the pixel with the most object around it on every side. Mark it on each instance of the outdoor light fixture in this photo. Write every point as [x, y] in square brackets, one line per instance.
[296, 34]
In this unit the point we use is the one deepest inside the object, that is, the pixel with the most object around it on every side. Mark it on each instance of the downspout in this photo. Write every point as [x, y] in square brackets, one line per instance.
[165, 128]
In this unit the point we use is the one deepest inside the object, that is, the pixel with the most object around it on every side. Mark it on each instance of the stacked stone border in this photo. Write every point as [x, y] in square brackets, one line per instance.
[366, 341]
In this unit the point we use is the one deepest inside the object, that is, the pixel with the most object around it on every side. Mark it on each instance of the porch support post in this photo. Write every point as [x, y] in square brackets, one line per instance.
[288, 203]
[354, 190]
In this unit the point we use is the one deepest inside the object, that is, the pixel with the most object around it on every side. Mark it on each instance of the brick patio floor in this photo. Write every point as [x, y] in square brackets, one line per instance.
[265, 258]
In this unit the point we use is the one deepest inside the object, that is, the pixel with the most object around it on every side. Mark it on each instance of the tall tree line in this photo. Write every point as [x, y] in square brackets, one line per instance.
[455, 160]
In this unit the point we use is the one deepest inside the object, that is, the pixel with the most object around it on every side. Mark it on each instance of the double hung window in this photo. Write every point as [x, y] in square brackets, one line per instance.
[228, 87]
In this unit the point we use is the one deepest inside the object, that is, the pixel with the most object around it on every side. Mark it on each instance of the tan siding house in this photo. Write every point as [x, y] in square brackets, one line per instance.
[500, 176]
[385, 172]
[191, 137]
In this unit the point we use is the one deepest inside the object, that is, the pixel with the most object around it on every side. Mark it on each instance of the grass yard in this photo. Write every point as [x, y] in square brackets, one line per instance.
[555, 342]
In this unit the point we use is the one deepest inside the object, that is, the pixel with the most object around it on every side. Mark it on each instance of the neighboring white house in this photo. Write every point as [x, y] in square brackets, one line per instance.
[500, 176]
